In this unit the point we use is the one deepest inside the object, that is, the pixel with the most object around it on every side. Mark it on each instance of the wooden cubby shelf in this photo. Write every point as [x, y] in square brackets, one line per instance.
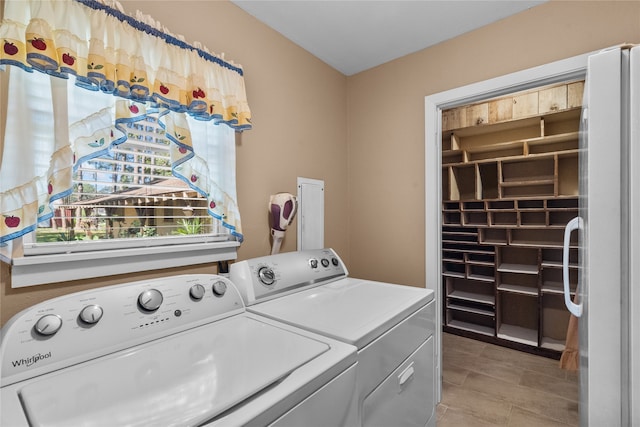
[476, 328]
[554, 322]
[470, 290]
[530, 204]
[509, 187]
[552, 281]
[500, 205]
[480, 298]
[515, 333]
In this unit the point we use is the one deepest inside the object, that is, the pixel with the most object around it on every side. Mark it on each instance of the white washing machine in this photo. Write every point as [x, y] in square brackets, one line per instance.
[391, 325]
[177, 351]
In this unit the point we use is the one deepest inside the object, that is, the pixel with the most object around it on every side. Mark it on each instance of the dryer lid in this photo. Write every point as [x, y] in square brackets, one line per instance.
[183, 379]
[351, 310]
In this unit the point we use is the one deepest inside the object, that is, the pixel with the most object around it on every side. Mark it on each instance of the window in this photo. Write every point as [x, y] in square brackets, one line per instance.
[129, 208]
[118, 144]
[129, 193]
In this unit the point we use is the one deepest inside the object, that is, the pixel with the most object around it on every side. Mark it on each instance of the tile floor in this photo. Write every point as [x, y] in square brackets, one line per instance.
[487, 385]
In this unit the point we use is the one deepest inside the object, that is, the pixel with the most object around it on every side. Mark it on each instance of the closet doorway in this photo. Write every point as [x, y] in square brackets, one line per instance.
[501, 164]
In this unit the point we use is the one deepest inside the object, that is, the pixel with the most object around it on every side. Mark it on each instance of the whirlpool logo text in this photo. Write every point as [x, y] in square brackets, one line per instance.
[30, 360]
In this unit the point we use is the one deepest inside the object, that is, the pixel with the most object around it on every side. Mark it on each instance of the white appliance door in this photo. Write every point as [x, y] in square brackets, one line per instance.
[634, 237]
[603, 279]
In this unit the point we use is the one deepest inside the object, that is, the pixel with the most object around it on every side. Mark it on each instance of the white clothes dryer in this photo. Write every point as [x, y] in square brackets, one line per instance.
[176, 351]
[391, 325]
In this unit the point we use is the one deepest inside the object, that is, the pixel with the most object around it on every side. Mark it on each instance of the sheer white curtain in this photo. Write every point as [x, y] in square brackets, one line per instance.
[36, 154]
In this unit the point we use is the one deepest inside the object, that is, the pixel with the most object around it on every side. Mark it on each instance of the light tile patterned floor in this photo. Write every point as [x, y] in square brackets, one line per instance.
[488, 385]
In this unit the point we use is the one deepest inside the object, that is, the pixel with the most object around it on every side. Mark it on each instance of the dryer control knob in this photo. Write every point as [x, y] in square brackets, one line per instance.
[150, 300]
[197, 292]
[219, 288]
[91, 314]
[325, 262]
[48, 324]
[267, 276]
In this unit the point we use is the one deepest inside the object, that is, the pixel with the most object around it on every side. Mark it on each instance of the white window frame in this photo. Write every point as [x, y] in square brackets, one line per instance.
[43, 269]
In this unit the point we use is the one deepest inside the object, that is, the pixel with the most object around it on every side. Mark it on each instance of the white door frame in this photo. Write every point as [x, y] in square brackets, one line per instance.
[568, 69]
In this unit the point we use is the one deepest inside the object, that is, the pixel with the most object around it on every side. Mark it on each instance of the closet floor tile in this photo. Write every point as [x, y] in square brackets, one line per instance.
[489, 385]
[521, 418]
[552, 385]
[481, 406]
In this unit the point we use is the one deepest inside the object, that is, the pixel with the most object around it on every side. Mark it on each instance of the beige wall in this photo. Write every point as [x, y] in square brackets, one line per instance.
[363, 135]
[300, 129]
[298, 112]
[386, 119]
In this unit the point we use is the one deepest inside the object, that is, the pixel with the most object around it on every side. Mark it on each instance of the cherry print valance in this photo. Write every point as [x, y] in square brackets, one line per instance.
[134, 58]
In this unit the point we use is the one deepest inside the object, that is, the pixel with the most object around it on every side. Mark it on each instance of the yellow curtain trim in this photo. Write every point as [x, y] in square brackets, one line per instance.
[109, 51]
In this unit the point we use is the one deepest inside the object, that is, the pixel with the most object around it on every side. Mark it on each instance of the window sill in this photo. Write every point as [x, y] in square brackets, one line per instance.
[41, 269]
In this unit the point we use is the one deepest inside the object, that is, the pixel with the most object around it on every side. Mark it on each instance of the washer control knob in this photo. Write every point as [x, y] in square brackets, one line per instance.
[91, 314]
[267, 276]
[150, 300]
[324, 262]
[197, 292]
[48, 324]
[313, 263]
[219, 288]
[334, 261]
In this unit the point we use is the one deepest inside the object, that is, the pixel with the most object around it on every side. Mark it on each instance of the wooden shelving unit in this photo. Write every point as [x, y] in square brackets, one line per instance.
[510, 185]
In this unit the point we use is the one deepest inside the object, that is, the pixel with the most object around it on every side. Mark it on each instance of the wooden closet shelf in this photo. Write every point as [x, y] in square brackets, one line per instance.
[460, 233]
[456, 274]
[473, 297]
[474, 310]
[481, 277]
[552, 344]
[535, 180]
[556, 288]
[472, 327]
[548, 139]
[518, 334]
[557, 264]
[477, 262]
[518, 289]
[518, 268]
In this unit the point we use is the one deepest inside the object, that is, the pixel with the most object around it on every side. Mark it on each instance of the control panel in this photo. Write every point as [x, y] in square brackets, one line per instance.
[264, 278]
[84, 325]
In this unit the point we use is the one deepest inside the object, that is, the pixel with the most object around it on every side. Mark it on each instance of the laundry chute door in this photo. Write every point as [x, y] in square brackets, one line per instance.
[603, 229]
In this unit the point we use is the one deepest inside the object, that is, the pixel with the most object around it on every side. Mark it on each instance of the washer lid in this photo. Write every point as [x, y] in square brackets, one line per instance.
[183, 379]
[351, 310]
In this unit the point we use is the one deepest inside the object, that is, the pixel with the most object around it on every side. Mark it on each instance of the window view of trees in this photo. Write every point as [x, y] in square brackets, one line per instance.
[129, 193]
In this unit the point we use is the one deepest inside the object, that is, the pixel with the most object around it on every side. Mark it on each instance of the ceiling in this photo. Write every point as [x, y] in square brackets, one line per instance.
[353, 36]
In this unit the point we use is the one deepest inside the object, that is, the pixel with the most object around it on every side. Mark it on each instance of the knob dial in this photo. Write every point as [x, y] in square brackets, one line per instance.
[334, 261]
[48, 324]
[91, 314]
[313, 262]
[267, 276]
[197, 292]
[325, 262]
[219, 288]
[150, 300]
